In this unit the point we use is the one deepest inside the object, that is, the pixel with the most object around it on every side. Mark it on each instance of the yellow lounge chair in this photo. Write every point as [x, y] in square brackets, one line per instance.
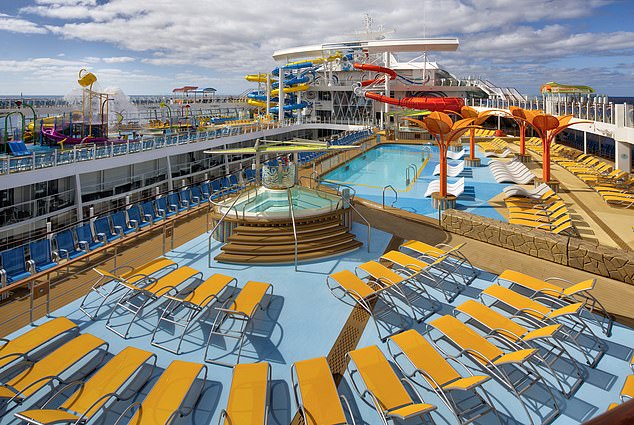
[627, 392]
[383, 389]
[514, 336]
[137, 297]
[366, 293]
[541, 315]
[440, 376]
[50, 369]
[107, 384]
[396, 278]
[239, 310]
[27, 345]
[170, 397]
[316, 394]
[452, 253]
[193, 302]
[496, 362]
[132, 276]
[248, 402]
[430, 272]
[576, 292]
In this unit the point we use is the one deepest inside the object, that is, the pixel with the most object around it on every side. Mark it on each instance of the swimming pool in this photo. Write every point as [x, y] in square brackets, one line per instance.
[386, 165]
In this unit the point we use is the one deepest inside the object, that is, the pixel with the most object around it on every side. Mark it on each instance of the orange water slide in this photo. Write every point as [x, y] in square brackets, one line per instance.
[423, 103]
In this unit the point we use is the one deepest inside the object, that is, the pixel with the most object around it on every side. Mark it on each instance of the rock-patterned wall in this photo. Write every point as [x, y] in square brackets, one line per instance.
[573, 252]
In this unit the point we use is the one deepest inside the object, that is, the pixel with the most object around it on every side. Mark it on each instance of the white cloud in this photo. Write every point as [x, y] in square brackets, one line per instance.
[22, 26]
[118, 59]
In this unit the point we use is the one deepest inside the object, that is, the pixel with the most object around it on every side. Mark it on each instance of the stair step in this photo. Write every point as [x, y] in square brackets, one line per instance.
[289, 248]
[285, 229]
[248, 258]
[281, 239]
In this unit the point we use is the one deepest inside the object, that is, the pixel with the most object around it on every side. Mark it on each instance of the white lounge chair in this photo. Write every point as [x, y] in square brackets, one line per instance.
[514, 190]
[456, 189]
[513, 172]
[452, 170]
[456, 155]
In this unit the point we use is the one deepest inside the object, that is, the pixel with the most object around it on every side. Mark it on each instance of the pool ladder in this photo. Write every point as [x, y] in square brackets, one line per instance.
[389, 186]
[408, 179]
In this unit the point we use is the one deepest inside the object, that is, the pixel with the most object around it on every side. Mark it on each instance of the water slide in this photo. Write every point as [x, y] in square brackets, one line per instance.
[58, 138]
[426, 103]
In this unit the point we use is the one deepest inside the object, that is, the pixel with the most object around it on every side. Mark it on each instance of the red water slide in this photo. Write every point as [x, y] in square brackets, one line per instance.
[428, 103]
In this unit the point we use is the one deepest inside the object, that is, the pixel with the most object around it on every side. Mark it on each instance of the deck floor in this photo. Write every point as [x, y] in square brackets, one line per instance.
[303, 321]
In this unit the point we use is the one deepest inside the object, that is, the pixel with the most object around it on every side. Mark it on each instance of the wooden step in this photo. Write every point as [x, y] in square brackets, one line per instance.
[282, 239]
[289, 248]
[286, 229]
[248, 258]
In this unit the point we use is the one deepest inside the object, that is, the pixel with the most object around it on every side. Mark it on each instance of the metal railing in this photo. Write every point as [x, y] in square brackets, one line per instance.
[211, 235]
[389, 186]
[291, 211]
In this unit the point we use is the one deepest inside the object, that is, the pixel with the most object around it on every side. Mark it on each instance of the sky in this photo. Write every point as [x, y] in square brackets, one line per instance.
[153, 46]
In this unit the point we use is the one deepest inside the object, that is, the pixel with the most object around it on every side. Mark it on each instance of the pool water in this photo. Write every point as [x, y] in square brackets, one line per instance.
[381, 166]
[275, 202]
[385, 165]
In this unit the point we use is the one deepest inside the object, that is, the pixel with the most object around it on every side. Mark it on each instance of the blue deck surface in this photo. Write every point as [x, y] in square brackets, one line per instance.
[302, 322]
[368, 174]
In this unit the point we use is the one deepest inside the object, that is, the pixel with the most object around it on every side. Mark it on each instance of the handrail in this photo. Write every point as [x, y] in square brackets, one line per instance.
[339, 185]
[389, 186]
[407, 177]
[216, 226]
[249, 200]
[292, 213]
[364, 219]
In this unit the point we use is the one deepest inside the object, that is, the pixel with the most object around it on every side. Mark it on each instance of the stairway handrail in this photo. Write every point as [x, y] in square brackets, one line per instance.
[364, 219]
[216, 226]
[292, 213]
[249, 200]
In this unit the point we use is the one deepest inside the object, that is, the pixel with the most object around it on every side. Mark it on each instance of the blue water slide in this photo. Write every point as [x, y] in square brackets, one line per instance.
[290, 107]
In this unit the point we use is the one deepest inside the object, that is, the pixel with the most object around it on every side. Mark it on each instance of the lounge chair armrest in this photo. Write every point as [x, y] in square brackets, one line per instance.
[148, 217]
[62, 390]
[102, 237]
[30, 266]
[135, 224]
[119, 230]
[84, 245]
[128, 409]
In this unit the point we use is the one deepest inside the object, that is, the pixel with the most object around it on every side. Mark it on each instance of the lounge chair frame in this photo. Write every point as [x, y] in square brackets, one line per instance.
[83, 416]
[297, 393]
[531, 375]
[573, 323]
[135, 291]
[195, 311]
[223, 412]
[117, 281]
[180, 411]
[225, 312]
[445, 396]
[385, 291]
[370, 399]
[550, 350]
[597, 311]
[454, 258]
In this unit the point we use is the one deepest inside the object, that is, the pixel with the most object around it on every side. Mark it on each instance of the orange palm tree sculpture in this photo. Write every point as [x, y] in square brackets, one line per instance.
[478, 119]
[445, 131]
[547, 128]
[521, 116]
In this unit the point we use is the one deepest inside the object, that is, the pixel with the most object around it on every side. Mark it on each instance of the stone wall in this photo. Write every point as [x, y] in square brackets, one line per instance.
[573, 252]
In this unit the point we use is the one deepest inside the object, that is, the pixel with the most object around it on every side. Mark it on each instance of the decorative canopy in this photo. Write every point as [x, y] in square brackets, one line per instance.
[288, 146]
[556, 88]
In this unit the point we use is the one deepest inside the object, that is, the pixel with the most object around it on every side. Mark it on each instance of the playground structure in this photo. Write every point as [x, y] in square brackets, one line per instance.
[295, 78]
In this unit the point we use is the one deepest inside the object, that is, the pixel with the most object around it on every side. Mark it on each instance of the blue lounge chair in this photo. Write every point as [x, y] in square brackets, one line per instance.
[163, 208]
[136, 220]
[205, 190]
[149, 212]
[250, 173]
[86, 238]
[188, 199]
[175, 202]
[104, 230]
[41, 256]
[235, 181]
[121, 225]
[227, 186]
[66, 247]
[197, 193]
[13, 265]
[216, 189]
